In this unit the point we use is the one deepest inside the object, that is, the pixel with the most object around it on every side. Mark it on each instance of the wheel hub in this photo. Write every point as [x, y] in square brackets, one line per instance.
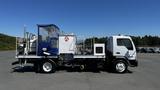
[47, 67]
[120, 67]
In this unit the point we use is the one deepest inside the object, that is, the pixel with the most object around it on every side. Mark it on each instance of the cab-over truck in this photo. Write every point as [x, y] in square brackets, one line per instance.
[51, 48]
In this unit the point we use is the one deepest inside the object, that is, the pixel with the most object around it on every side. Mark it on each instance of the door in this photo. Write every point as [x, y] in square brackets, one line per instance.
[129, 48]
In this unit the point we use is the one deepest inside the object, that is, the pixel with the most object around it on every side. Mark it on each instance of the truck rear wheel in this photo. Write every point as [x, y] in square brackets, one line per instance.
[82, 67]
[120, 66]
[48, 66]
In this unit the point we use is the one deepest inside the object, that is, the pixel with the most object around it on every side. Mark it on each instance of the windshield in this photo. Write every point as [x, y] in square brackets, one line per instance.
[47, 32]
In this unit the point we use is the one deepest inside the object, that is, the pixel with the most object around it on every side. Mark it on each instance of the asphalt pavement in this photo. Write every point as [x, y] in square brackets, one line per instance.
[144, 77]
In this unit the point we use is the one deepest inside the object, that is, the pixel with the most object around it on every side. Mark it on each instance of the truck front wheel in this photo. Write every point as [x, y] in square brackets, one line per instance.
[120, 66]
[48, 66]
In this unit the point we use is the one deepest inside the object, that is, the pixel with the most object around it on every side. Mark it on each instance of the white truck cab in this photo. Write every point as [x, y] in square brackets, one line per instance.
[122, 47]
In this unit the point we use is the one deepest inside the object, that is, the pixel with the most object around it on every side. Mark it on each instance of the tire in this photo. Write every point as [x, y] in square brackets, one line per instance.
[48, 66]
[120, 66]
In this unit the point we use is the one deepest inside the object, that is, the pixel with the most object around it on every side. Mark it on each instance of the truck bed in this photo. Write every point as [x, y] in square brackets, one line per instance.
[75, 56]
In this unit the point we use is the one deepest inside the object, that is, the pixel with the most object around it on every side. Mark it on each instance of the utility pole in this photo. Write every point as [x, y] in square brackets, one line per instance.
[24, 28]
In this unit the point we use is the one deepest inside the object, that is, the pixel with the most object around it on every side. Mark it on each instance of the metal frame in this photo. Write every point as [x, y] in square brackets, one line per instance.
[75, 56]
[16, 47]
[33, 56]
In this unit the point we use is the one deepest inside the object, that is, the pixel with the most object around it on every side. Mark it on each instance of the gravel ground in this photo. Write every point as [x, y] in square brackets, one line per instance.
[144, 77]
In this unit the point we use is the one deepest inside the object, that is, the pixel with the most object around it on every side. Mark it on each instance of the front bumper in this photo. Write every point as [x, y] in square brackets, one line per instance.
[133, 63]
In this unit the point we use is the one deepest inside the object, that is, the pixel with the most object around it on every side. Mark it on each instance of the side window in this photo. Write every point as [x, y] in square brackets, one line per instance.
[125, 42]
[99, 49]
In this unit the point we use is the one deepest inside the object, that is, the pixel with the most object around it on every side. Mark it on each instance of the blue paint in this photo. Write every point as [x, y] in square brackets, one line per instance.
[52, 51]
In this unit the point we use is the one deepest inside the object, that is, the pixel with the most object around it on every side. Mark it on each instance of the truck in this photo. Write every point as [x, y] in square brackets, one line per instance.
[51, 48]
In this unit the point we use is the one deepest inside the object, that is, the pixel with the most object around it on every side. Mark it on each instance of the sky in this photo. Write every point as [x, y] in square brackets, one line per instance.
[82, 17]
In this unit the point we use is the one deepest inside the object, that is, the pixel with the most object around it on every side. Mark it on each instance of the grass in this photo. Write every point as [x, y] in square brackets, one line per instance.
[7, 42]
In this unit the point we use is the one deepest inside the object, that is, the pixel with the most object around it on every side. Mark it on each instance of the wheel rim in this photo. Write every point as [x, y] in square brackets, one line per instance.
[82, 67]
[47, 67]
[120, 67]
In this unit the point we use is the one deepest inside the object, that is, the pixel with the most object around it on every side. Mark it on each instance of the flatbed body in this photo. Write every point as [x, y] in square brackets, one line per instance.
[54, 57]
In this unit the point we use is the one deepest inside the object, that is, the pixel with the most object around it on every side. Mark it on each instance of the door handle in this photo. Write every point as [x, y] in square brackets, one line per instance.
[118, 53]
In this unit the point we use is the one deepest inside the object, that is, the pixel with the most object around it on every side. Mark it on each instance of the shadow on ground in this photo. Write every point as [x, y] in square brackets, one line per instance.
[67, 69]
[23, 69]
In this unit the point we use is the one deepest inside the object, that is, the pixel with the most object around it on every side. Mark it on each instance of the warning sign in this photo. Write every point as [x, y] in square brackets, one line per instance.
[66, 38]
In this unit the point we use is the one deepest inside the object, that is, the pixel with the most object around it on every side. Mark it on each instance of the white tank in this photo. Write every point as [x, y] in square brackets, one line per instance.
[67, 44]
